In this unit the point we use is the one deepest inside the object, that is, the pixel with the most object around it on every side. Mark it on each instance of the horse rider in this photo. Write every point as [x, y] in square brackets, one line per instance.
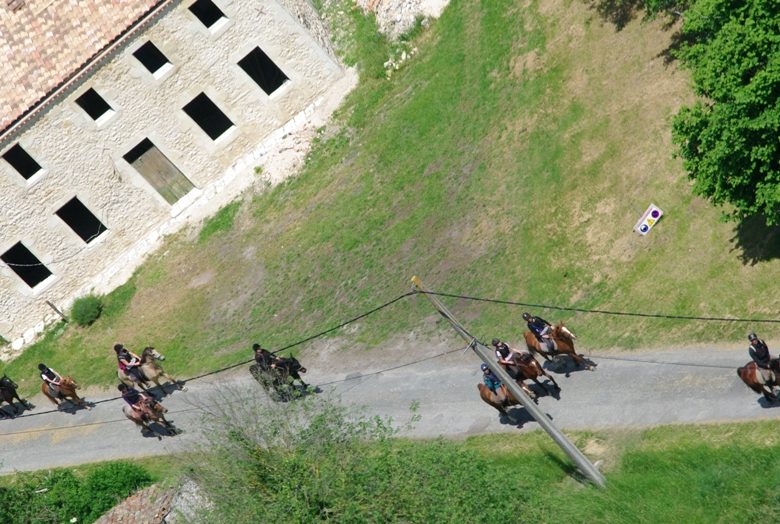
[490, 379]
[541, 330]
[758, 351]
[264, 358]
[129, 363]
[51, 378]
[506, 356]
[135, 399]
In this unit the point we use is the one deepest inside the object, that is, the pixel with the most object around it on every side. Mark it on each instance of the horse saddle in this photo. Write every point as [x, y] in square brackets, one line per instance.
[525, 358]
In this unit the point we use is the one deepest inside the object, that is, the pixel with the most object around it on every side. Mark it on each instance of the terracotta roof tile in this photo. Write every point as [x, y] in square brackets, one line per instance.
[45, 42]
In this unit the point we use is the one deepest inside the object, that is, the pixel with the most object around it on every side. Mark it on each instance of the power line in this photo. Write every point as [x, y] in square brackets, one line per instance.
[604, 311]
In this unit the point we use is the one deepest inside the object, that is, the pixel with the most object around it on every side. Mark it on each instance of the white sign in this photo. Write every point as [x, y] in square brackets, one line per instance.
[648, 220]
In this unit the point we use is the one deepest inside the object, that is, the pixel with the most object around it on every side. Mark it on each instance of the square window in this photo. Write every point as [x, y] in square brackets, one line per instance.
[152, 58]
[263, 70]
[21, 161]
[208, 116]
[81, 220]
[25, 265]
[207, 12]
[94, 105]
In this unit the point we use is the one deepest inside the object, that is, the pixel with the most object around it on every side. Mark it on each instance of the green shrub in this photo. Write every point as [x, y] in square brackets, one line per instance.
[109, 484]
[60, 495]
[86, 310]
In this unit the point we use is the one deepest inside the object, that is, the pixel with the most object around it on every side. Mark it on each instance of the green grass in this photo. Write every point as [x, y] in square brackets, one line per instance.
[221, 221]
[509, 158]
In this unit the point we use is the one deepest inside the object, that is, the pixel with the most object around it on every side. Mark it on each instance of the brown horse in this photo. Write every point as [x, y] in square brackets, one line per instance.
[529, 369]
[151, 411]
[8, 393]
[500, 400]
[752, 376]
[151, 370]
[67, 391]
[564, 345]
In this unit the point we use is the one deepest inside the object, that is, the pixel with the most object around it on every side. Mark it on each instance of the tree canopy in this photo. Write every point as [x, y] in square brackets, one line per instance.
[729, 140]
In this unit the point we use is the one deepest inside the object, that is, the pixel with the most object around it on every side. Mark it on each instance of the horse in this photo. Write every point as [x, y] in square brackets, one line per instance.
[280, 378]
[528, 368]
[8, 393]
[752, 376]
[67, 391]
[151, 370]
[151, 411]
[500, 400]
[289, 368]
[564, 345]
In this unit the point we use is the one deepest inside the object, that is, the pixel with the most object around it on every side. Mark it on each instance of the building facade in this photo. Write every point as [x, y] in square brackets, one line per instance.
[177, 100]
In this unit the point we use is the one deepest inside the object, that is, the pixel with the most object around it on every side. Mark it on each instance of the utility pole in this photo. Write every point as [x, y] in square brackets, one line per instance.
[486, 355]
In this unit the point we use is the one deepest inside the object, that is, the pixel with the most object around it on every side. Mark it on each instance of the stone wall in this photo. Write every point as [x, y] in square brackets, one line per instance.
[80, 158]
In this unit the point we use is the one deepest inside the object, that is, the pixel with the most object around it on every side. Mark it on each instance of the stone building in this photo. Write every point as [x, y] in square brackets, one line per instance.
[120, 118]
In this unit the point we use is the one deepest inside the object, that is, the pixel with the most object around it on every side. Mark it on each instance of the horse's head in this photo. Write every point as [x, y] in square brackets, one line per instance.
[151, 353]
[562, 331]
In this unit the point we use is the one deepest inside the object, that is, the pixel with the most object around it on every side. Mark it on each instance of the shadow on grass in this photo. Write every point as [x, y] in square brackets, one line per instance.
[617, 12]
[757, 241]
[567, 467]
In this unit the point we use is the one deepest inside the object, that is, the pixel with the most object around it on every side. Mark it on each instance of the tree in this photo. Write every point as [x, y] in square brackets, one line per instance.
[730, 140]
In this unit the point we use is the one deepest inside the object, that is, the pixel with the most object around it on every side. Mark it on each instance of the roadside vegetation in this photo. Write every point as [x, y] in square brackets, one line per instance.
[69, 495]
[509, 157]
[313, 462]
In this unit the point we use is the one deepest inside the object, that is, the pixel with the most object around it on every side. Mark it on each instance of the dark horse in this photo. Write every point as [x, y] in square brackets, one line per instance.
[8, 394]
[279, 378]
[528, 368]
[564, 345]
[762, 384]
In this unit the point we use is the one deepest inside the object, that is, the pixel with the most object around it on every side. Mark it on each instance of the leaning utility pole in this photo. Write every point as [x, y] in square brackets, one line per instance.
[582, 462]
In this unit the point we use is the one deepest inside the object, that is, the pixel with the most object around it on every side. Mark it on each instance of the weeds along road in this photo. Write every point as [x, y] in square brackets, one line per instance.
[627, 390]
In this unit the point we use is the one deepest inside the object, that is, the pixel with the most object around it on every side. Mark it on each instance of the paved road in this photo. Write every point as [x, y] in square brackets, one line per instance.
[627, 390]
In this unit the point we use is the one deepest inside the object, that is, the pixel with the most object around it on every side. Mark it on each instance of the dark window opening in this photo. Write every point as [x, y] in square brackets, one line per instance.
[151, 57]
[263, 70]
[208, 116]
[21, 161]
[93, 104]
[159, 171]
[26, 265]
[81, 220]
[207, 12]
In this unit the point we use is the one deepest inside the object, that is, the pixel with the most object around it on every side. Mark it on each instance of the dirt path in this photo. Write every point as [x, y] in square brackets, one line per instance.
[627, 390]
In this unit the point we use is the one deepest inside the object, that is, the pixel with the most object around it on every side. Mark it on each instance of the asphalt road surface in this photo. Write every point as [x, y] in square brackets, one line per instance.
[637, 389]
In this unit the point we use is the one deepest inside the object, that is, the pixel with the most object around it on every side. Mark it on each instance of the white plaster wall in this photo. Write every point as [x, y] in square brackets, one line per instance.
[84, 160]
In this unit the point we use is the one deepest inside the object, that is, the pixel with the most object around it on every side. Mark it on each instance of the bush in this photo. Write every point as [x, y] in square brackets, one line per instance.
[58, 496]
[86, 310]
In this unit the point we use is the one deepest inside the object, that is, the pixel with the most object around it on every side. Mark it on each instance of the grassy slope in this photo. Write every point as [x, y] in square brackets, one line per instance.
[509, 158]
